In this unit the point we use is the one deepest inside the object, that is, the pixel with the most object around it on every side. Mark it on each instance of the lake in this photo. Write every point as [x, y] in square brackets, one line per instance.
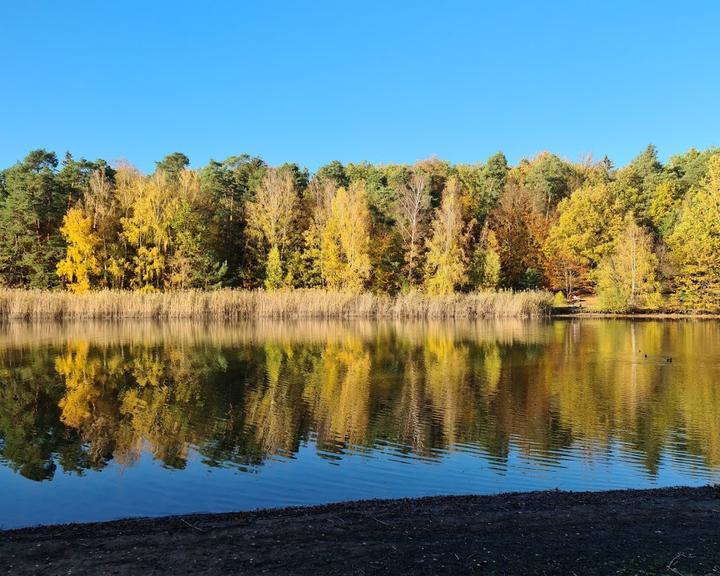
[109, 420]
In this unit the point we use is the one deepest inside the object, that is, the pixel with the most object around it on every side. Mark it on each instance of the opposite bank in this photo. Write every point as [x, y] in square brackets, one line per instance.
[228, 304]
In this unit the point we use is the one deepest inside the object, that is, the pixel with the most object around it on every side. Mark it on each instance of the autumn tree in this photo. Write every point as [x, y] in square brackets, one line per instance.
[272, 212]
[445, 267]
[387, 256]
[413, 205]
[80, 264]
[485, 268]
[520, 231]
[345, 244]
[100, 206]
[307, 265]
[695, 246]
[581, 236]
[543, 222]
[274, 279]
[627, 277]
[438, 171]
[664, 207]
[192, 261]
[163, 226]
[146, 227]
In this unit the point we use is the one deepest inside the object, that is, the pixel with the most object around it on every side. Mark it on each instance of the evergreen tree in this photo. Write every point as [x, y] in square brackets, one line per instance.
[31, 212]
[549, 179]
[229, 185]
[635, 185]
[173, 164]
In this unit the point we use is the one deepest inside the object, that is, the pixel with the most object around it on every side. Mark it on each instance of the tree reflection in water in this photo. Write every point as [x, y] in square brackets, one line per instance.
[80, 396]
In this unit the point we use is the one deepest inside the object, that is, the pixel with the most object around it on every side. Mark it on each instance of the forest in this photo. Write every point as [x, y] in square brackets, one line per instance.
[645, 236]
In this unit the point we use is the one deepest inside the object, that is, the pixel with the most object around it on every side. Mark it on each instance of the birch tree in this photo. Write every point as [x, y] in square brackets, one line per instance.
[272, 211]
[413, 206]
[627, 279]
[271, 215]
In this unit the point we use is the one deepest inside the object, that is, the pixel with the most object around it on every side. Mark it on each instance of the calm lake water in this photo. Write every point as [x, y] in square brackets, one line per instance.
[101, 421]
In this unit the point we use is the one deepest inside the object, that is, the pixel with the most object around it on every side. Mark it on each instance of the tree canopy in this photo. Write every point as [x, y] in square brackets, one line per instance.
[545, 222]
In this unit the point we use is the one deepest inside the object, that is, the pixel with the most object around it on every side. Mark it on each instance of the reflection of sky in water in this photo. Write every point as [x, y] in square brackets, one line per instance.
[147, 488]
[322, 414]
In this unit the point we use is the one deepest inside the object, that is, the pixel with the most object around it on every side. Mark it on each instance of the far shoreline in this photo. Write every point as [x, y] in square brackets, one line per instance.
[231, 304]
[586, 314]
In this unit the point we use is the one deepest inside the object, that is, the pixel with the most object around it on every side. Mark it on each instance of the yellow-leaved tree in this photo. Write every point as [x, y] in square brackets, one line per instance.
[345, 244]
[581, 236]
[146, 227]
[695, 246]
[271, 215]
[627, 277]
[152, 204]
[80, 263]
[445, 266]
[665, 206]
[81, 387]
[486, 267]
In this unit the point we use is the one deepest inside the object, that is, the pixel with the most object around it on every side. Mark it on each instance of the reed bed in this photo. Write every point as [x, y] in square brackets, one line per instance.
[192, 333]
[230, 305]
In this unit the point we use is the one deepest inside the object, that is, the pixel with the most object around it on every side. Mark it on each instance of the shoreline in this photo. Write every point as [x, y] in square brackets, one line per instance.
[657, 531]
[235, 305]
[633, 315]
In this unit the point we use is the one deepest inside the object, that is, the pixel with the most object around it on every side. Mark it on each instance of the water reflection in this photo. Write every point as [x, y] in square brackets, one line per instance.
[77, 397]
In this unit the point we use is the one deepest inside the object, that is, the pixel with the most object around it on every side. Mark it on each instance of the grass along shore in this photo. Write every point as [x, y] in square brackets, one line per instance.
[230, 304]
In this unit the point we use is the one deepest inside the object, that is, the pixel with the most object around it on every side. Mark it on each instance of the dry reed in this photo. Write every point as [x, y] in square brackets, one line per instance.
[228, 304]
[147, 332]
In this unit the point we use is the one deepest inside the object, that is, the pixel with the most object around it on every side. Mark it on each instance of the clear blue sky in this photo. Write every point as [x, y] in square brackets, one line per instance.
[386, 81]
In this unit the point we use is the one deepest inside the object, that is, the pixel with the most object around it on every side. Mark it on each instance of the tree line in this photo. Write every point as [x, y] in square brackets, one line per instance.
[644, 236]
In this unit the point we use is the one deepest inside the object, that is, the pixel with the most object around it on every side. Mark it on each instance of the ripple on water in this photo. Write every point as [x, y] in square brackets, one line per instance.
[175, 419]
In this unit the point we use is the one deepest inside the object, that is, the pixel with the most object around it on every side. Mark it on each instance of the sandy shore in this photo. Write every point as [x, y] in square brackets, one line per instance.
[669, 531]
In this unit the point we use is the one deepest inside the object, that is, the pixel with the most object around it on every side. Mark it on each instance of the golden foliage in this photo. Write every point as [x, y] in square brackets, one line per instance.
[695, 245]
[445, 267]
[345, 245]
[80, 263]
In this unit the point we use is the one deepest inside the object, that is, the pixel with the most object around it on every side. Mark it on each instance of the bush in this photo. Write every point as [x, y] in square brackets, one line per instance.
[559, 300]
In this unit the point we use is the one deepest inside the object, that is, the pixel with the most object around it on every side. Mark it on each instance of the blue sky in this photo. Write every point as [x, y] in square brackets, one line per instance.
[384, 81]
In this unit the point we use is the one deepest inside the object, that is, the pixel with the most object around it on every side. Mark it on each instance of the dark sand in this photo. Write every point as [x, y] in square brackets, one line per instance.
[670, 531]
